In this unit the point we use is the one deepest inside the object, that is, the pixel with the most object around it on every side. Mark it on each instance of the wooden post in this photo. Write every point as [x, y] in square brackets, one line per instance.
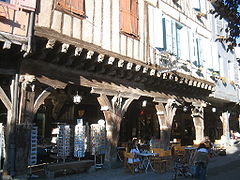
[226, 132]
[165, 116]
[113, 112]
[9, 163]
[23, 128]
[198, 120]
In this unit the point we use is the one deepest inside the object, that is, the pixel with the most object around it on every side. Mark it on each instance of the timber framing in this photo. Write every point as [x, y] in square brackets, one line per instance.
[87, 51]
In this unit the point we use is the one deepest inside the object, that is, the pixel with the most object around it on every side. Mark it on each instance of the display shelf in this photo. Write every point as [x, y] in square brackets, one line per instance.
[63, 141]
[79, 140]
[33, 146]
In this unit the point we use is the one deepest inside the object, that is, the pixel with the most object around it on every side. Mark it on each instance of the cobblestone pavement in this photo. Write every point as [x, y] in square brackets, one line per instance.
[218, 168]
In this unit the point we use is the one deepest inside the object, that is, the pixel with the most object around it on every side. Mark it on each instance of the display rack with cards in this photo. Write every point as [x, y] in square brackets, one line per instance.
[98, 143]
[2, 144]
[79, 140]
[98, 139]
[33, 146]
[63, 141]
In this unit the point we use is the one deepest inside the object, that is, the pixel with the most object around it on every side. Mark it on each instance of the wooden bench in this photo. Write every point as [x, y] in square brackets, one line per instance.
[57, 169]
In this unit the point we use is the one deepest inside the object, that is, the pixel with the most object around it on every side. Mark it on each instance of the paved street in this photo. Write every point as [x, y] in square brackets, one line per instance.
[220, 168]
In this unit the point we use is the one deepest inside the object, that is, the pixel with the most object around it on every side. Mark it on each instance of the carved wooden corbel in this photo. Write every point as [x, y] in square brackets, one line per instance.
[100, 58]
[120, 63]
[27, 82]
[89, 54]
[111, 60]
[78, 51]
[65, 48]
[50, 44]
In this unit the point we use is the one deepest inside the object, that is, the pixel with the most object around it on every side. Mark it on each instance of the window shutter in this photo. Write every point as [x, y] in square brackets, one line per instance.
[151, 25]
[167, 34]
[174, 38]
[184, 43]
[134, 17]
[215, 56]
[220, 29]
[65, 4]
[198, 51]
[73, 6]
[155, 27]
[208, 54]
[28, 4]
[77, 7]
[203, 6]
[125, 18]
[196, 4]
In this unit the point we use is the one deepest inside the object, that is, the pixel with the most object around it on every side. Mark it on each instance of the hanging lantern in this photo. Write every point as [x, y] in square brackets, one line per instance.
[77, 99]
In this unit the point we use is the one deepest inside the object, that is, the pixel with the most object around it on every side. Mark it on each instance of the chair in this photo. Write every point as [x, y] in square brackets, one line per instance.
[159, 164]
[130, 166]
[179, 151]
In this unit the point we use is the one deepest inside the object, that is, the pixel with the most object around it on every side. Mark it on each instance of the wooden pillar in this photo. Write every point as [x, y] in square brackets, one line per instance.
[238, 122]
[165, 116]
[24, 126]
[8, 104]
[226, 132]
[198, 120]
[113, 111]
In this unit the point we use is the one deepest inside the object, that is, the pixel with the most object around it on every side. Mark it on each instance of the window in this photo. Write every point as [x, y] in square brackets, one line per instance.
[129, 17]
[75, 7]
[200, 5]
[24, 4]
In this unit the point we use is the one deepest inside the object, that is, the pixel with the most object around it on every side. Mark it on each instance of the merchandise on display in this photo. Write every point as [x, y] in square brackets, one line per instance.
[63, 141]
[98, 139]
[33, 146]
[80, 140]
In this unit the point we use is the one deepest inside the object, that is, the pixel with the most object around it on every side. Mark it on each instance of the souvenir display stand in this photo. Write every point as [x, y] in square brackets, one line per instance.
[33, 146]
[98, 143]
[79, 140]
[63, 142]
[1, 144]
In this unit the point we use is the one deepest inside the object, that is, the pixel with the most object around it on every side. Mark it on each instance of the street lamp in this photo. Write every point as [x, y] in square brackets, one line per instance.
[77, 99]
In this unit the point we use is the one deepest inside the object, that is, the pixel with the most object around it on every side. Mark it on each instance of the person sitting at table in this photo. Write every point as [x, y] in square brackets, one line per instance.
[134, 150]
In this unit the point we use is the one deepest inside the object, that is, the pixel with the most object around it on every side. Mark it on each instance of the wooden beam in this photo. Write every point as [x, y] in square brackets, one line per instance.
[111, 92]
[5, 99]
[59, 77]
[52, 82]
[40, 99]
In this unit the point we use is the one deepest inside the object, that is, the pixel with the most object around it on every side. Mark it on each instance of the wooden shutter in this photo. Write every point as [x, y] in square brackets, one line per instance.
[215, 60]
[77, 7]
[28, 4]
[167, 34]
[125, 20]
[196, 4]
[129, 17]
[203, 6]
[155, 27]
[134, 17]
[73, 6]
[184, 44]
[174, 37]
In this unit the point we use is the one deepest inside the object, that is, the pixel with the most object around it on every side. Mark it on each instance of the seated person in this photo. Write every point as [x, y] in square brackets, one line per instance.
[134, 150]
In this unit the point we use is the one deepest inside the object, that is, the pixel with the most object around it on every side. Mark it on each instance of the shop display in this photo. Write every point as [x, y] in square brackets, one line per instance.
[33, 146]
[1, 141]
[63, 141]
[79, 140]
[98, 139]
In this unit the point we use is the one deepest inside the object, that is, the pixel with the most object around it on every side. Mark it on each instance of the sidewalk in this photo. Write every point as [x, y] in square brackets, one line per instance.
[216, 164]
